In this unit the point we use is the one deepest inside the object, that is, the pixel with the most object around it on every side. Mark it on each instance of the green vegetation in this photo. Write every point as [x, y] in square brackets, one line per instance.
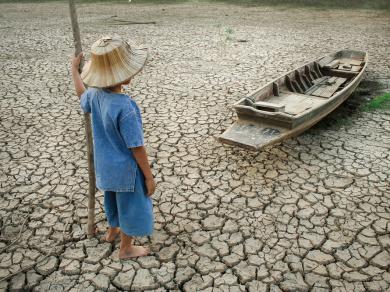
[226, 34]
[99, 1]
[364, 4]
[381, 102]
[229, 33]
[359, 4]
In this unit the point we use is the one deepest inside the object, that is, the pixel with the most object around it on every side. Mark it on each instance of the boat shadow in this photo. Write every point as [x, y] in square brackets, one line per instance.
[352, 107]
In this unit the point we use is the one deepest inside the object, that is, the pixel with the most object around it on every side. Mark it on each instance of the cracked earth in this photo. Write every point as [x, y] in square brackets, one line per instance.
[311, 213]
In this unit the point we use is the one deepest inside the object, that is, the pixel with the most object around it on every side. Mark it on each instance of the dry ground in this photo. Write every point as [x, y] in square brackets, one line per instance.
[309, 214]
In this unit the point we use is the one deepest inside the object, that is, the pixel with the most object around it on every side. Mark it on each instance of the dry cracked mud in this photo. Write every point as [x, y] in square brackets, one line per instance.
[311, 213]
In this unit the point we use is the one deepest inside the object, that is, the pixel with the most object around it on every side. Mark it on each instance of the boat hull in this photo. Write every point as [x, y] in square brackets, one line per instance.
[255, 132]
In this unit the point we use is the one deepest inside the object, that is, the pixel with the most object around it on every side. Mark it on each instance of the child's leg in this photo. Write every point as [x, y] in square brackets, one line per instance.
[111, 210]
[135, 212]
[134, 220]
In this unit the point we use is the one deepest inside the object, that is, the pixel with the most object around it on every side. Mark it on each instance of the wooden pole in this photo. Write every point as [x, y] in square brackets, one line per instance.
[88, 131]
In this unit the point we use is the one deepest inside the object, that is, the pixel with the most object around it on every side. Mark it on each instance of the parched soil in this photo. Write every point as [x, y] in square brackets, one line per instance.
[311, 213]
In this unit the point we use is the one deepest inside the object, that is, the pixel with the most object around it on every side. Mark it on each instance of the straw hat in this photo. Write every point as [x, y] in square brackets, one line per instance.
[113, 61]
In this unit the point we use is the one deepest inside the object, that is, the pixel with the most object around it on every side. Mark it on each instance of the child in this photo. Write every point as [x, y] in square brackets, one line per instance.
[121, 163]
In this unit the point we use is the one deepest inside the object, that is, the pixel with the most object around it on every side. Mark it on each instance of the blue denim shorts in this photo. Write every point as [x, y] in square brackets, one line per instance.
[131, 211]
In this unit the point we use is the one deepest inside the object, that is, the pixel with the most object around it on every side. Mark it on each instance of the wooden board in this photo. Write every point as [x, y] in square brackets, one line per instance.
[250, 135]
[327, 90]
[355, 62]
[356, 68]
[295, 103]
[317, 83]
[345, 67]
[295, 108]
[274, 107]
[320, 80]
[332, 64]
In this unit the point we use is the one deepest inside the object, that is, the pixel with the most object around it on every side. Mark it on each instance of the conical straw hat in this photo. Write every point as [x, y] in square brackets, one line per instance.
[113, 61]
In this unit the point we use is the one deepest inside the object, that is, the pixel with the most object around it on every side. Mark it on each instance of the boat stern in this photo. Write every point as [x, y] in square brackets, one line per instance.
[251, 135]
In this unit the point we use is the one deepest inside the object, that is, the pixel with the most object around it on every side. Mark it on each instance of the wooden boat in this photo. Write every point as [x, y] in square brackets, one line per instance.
[293, 103]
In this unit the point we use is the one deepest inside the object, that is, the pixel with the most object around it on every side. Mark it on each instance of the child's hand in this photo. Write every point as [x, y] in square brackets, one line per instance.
[76, 61]
[150, 186]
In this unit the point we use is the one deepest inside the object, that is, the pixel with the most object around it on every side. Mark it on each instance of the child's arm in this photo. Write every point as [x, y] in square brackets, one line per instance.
[78, 83]
[141, 157]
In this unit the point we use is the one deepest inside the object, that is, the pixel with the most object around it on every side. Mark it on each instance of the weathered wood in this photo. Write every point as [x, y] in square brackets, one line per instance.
[88, 130]
[342, 73]
[297, 86]
[75, 30]
[307, 81]
[267, 106]
[308, 73]
[289, 84]
[299, 81]
[320, 80]
[275, 88]
[327, 89]
[345, 67]
[333, 64]
[113, 20]
[351, 61]
[317, 69]
[129, 22]
[256, 128]
[317, 83]
[314, 74]
[356, 68]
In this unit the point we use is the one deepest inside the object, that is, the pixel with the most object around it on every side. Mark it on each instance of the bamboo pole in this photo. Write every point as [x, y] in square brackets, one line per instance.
[88, 131]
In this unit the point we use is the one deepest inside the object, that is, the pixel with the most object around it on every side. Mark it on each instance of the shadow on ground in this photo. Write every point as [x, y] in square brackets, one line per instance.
[353, 106]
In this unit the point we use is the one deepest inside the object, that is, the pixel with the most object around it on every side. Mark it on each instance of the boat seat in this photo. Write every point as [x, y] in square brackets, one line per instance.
[350, 65]
[268, 106]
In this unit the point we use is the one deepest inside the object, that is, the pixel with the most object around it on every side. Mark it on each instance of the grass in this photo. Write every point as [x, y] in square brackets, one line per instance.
[321, 4]
[364, 4]
[381, 102]
[99, 1]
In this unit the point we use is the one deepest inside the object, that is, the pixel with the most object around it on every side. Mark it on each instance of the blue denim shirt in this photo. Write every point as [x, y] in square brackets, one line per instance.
[116, 126]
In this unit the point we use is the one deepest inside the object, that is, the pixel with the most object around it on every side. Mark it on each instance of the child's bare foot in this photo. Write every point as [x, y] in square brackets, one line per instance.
[133, 251]
[112, 233]
[128, 250]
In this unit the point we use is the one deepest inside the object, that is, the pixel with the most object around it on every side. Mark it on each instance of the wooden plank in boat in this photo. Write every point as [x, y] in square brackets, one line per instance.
[354, 62]
[294, 103]
[317, 83]
[356, 68]
[319, 80]
[298, 104]
[268, 106]
[345, 67]
[327, 90]
[332, 64]
[322, 89]
[342, 73]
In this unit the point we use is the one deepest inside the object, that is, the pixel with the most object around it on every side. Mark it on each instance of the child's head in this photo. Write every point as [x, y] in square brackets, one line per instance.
[113, 62]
